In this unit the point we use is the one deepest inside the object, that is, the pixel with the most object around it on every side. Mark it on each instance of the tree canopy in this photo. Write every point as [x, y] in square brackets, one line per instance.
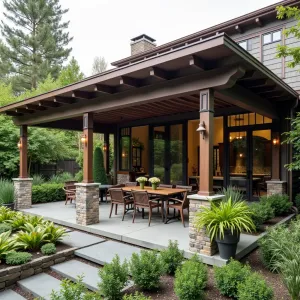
[99, 65]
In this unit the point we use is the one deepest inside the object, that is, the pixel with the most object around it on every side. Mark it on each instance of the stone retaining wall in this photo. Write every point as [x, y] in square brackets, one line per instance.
[11, 275]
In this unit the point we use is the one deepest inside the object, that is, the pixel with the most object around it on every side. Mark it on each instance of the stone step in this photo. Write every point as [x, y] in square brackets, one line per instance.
[77, 239]
[10, 295]
[103, 253]
[40, 285]
[73, 268]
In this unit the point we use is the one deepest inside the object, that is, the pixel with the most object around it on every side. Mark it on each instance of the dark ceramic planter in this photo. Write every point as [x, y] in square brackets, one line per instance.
[10, 205]
[227, 246]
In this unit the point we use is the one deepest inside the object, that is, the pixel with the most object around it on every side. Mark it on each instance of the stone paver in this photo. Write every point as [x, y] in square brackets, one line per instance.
[73, 268]
[76, 239]
[10, 295]
[40, 285]
[104, 253]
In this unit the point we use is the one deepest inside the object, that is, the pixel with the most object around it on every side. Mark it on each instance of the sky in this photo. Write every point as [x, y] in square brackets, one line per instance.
[105, 27]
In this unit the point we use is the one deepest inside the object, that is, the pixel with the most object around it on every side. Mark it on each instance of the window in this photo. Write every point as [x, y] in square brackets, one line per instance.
[247, 44]
[243, 44]
[272, 37]
[125, 142]
[247, 119]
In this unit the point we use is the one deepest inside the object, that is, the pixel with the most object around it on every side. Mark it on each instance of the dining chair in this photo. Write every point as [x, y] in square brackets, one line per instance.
[121, 185]
[70, 191]
[179, 205]
[118, 197]
[141, 200]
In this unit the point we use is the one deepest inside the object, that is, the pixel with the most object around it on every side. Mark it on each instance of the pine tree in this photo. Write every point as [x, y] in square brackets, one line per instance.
[35, 40]
[98, 167]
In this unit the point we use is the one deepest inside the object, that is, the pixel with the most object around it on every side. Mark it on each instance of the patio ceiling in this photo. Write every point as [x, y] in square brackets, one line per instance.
[162, 85]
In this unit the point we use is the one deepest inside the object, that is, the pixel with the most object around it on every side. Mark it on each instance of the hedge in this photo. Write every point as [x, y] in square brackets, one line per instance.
[48, 192]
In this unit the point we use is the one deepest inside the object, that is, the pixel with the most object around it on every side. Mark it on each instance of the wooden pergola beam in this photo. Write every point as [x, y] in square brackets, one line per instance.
[258, 22]
[238, 28]
[100, 88]
[63, 100]
[48, 104]
[159, 73]
[13, 114]
[197, 62]
[83, 95]
[24, 111]
[35, 107]
[129, 81]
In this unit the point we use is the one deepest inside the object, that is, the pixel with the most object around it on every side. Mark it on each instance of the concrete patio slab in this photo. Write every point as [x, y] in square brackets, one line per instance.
[76, 239]
[40, 285]
[104, 253]
[10, 295]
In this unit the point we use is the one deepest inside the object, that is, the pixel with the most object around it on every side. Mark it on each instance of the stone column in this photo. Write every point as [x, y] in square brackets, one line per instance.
[23, 192]
[199, 241]
[276, 187]
[87, 203]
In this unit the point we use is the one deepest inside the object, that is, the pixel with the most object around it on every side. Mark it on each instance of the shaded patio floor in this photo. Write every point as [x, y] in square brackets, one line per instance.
[154, 237]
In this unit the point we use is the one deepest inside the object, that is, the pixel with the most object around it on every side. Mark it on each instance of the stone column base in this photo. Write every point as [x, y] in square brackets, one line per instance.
[87, 203]
[199, 241]
[23, 192]
[276, 187]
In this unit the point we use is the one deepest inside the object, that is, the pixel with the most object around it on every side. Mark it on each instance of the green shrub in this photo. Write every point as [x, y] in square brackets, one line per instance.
[48, 249]
[146, 269]
[136, 296]
[6, 214]
[7, 192]
[228, 277]
[261, 212]
[172, 257]
[280, 203]
[37, 179]
[5, 227]
[79, 176]
[7, 244]
[98, 167]
[191, 279]
[297, 201]
[254, 288]
[114, 277]
[48, 192]
[17, 258]
[55, 233]
[61, 178]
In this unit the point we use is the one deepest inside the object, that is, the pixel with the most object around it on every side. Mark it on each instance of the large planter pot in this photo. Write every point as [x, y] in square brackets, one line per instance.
[9, 205]
[227, 246]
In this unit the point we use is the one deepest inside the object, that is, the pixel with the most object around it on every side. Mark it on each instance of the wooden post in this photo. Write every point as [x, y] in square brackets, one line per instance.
[106, 152]
[206, 143]
[88, 148]
[275, 156]
[23, 152]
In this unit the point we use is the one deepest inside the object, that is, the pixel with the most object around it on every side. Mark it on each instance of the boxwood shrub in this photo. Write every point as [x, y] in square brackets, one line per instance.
[48, 192]
[280, 203]
[17, 258]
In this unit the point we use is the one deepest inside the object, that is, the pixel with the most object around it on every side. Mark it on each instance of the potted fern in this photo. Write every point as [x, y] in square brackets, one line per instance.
[7, 194]
[224, 222]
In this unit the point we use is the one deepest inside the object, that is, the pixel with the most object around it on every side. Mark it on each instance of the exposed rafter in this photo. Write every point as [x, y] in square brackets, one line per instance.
[35, 107]
[197, 62]
[272, 94]
[48, 104]
[238, 28]
[24, 111]
[63, 100]
[100, 88]
[248, 75]
[159, 73]
[129, 81]
[255, 83]
[13, 114]
[83, 95]
[258, 22]
[264, 88]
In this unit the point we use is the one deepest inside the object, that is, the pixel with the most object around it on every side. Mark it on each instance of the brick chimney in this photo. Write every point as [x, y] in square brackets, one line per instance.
[142, 43]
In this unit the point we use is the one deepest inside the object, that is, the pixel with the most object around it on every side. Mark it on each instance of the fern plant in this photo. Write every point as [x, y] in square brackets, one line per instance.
[227, 216]
[55, 233]
[7, 244]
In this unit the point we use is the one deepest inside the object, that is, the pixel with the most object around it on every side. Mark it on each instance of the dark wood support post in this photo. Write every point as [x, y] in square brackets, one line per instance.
[88, 124]
[23, 152]
[106, 152]
[275, 156]
[206, 142]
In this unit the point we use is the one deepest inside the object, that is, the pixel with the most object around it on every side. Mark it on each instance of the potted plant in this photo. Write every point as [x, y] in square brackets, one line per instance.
[154, 182]
[142, 181]
[7, 194]
[224, 222]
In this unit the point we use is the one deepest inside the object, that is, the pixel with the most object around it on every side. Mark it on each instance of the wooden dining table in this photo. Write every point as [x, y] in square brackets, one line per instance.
[163, 193]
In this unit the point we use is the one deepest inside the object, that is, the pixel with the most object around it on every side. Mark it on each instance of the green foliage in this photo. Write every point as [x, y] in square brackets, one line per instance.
[280, 203]
[48, 249]
[233, 193]
[191, 279]
[74, 291]
[254, 287]
[99, 65]
[61, 178]
[261, 212]
[98, 167]
[228, 215]
[7, 192]
[6, 214]
[17, 222]
[71, 73]
[17, 258]
[79, 176]
[172, 257]
[146, 269]
[37, 179]
[48, 192]
[35, 40]
[5, 227]
[34, 221]
[55, 233]
[136, 296]
[7, 244]
[228, 278]
[114, 277]
[32, 237]
[297, 201]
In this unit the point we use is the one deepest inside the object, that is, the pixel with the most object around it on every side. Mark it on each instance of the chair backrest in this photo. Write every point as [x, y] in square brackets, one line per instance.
[189, 188]
[169, 186]
[131, 183]
[116, 194]
[70, 185]
[186, 201]
[118, 186]
[140, 198]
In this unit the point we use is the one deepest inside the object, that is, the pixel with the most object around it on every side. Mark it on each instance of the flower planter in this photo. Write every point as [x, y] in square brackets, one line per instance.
[154, 186]
[142, 185]
[228, 245]
[9, 205]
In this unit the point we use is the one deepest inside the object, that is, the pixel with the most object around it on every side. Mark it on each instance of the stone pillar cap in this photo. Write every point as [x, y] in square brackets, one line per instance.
[86, 184]
[22, 179]
[206, 198]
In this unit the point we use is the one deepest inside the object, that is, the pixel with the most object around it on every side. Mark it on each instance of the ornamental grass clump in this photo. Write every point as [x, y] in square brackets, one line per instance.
[234, 217]
[17, 258]
[191, 279]
[233, 193]
[7, 192]
[48, 249]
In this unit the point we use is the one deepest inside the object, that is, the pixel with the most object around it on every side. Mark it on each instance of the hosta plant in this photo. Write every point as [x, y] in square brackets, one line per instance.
[35, 220]
[6, 214]
[227, 216]
[32, 237]
[7, 244]
[17, 222]
[55, 233]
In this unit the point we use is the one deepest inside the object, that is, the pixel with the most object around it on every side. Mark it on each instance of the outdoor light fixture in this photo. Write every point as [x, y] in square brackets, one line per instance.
[275, 142]
[202, 129]
[19, 144]
[83, 139]
[104, 147]
[241, 154]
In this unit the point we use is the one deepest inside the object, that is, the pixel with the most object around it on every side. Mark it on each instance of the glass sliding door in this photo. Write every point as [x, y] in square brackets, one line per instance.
[176, 154]
[159, 152]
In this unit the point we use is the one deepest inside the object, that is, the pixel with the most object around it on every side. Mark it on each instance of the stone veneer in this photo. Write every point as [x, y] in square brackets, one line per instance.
[87, 203]
[11, 275]
[122, 178]
[276, 187]
[23, 192]
[199, 240]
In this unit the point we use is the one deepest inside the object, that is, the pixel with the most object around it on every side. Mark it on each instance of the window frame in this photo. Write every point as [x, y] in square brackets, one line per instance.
[272, 37]
[248, 44]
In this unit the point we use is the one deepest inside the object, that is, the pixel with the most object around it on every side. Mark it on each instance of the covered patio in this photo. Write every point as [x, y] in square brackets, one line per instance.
[198, 81]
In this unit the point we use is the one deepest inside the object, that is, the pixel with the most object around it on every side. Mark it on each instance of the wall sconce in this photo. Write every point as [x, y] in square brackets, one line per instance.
[241, 154]
[83, 139]
[202, 129]
[19, 145]
[275, 142]
[104, 147]
[123, 154]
